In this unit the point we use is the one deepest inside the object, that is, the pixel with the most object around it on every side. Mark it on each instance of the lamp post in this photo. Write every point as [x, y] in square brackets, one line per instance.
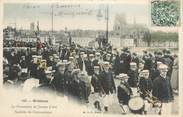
[107, 23]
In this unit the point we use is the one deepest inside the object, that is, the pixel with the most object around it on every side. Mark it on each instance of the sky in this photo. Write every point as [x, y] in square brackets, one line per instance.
[86, 15]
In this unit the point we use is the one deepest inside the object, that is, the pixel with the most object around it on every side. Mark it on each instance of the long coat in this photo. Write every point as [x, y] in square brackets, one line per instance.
[145, 86]
[107, 82]
[175, 75]
[59, 83]
[96, 83]
[162, 89]
[116, 65]
[124, 63]
[90, 67]
[133, 78]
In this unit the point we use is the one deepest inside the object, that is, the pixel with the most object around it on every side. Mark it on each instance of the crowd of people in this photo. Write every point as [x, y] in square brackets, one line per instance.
[79, 72]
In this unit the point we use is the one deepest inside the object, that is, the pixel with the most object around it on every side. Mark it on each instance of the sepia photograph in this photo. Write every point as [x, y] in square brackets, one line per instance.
[97, 58]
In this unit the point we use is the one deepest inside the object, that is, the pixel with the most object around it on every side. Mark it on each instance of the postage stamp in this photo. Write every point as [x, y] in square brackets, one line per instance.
[165, 13]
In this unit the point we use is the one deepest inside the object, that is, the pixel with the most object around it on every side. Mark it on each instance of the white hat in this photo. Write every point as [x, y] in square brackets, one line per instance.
[57, 57]
[39, 57]
[133, 64]
[71, 57]
[60, 64]
[145, 71]
[48, 72]
[96, 67]
[44, 60]
[65, 61]
[163, 66]
[75, 71]
[82, 52]
[106, 63]
[91, 55]
[34, 56]
[108, 54]
[123, 76]
[158, 62]
[97, 53]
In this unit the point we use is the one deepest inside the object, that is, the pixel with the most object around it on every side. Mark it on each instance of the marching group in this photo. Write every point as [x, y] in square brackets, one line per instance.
[78, 72]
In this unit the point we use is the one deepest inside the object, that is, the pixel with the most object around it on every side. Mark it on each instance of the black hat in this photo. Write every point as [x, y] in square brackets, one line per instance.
[135, 54]
[125, 49]
[159, 53]
[145, 51]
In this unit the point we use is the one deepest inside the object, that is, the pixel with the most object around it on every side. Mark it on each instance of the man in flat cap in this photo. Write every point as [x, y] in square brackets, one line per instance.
[125, 59]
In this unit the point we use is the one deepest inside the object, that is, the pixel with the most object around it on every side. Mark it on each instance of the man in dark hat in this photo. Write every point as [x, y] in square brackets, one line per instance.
[168, 60]
[159, 57]
[116, 63]
[125, 59]
[90, 65]
[81, 60]
[148, 62]
[135, 59]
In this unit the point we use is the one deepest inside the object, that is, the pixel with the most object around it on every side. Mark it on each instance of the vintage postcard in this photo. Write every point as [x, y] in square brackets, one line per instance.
[91, 58]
